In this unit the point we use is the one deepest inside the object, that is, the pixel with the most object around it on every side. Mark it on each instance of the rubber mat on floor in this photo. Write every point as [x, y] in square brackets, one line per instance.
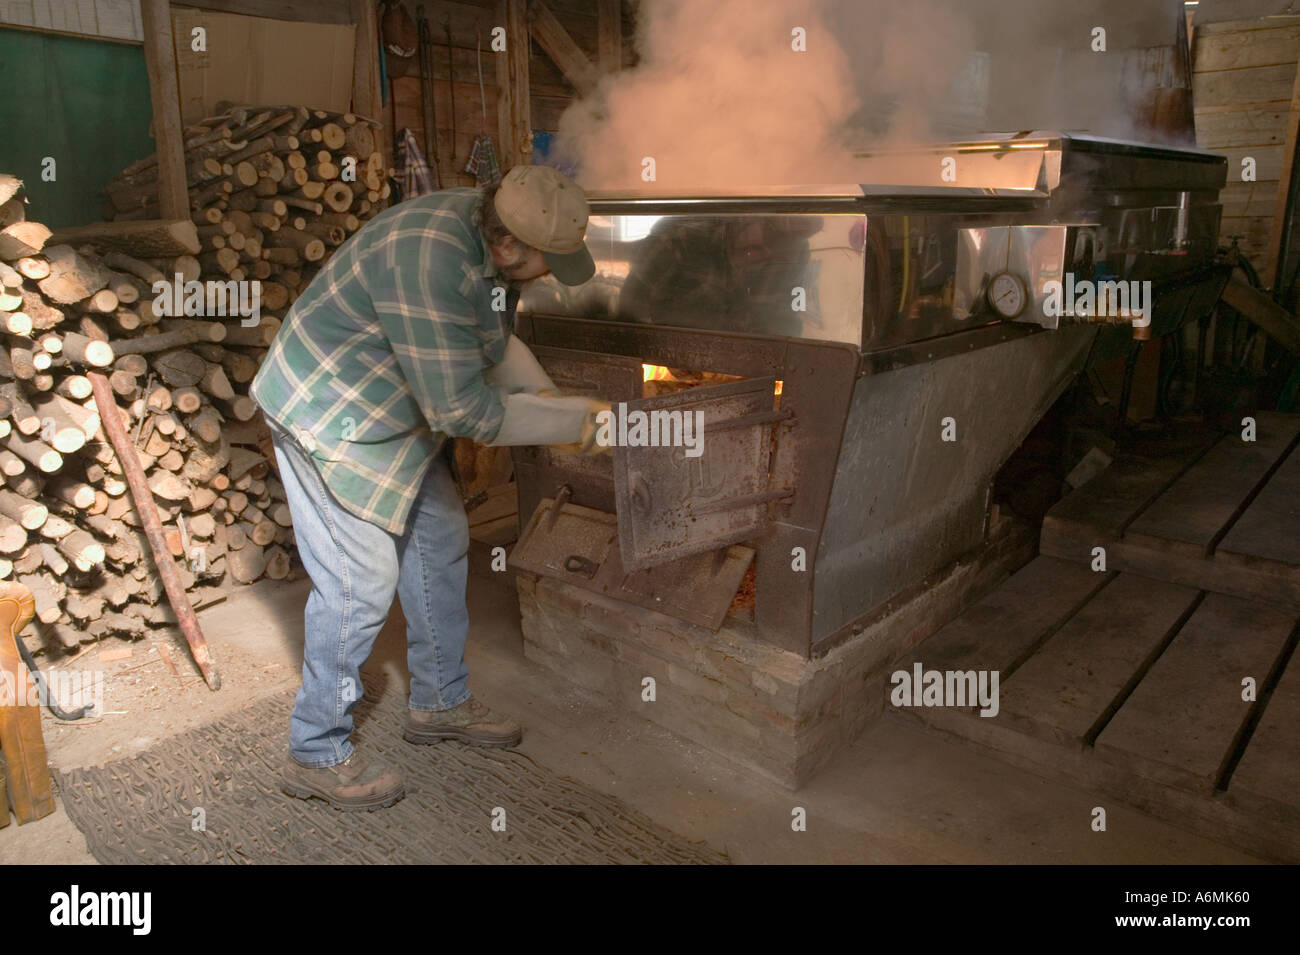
[211, 795]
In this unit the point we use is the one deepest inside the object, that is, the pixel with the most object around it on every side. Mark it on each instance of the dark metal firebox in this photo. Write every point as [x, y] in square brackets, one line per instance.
[855, 328]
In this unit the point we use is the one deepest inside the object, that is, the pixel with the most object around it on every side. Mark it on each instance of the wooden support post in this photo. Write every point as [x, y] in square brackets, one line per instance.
[514, 109]
[609, 35]
[21, 740]
[160, 61]
[560, 47]
[1266, 273]
[367, 95]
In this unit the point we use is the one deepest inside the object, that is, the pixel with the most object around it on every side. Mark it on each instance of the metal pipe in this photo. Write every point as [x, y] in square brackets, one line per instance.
[1130, 368]
[1180, 224]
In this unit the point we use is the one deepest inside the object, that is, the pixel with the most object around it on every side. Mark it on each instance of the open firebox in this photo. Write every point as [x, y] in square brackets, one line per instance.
[813, 390]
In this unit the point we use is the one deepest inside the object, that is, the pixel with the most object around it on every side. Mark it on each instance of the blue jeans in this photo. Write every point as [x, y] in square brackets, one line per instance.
[356, 568]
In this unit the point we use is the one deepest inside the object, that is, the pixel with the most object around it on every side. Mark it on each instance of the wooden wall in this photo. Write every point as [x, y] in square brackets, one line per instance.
[549, 91]
[107, 19]
[1245, 83]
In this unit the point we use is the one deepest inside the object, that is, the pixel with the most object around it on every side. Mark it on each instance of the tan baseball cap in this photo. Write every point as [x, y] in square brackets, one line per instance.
[548, 210]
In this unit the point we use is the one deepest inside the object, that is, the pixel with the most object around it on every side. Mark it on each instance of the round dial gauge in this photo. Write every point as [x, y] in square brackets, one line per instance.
[1007, 294]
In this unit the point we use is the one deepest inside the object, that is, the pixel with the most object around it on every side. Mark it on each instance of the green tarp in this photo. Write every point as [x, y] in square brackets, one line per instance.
[82, 102]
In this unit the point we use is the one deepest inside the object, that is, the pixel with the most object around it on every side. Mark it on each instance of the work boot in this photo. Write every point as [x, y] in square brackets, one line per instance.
[471, 722]
[354, 784]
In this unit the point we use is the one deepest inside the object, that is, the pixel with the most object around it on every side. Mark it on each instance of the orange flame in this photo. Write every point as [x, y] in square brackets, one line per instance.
[661, 373]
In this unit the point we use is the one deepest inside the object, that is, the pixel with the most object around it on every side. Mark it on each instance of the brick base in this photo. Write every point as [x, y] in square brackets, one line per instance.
[771, 710]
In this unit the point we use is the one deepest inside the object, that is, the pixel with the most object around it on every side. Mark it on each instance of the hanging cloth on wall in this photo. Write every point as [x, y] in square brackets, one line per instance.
[482, 165]
[413, 174]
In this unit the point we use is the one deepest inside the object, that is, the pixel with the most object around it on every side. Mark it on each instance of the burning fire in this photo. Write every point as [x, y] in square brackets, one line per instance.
[661, 373]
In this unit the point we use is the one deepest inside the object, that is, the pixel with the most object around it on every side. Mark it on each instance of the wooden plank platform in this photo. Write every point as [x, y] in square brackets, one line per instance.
[1196, 510]
[1132, 688]
[1033, 603]
[1183, 720]
[1195, 513]
[1268, 777]
[1078, 677]
[1255, 540]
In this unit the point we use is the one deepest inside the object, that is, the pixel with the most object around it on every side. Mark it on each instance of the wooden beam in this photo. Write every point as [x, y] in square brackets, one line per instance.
[609, 35]
[559, 46]
[1221, 10]
[514, 109]
[1266, 273]
[142, 237]
[307, 11]
[367, 94]
[164, 92]
[1258, 308]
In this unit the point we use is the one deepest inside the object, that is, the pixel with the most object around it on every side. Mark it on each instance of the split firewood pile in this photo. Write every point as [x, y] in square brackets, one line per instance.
[272, 191]
[79, 301]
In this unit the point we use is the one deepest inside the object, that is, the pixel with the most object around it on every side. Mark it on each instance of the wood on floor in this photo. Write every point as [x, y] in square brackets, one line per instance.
[1167, 679]
[1221, 516]
[495, 522]
[1137, 693]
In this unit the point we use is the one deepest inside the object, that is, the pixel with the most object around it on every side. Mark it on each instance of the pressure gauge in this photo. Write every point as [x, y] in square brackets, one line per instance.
[1007, 294]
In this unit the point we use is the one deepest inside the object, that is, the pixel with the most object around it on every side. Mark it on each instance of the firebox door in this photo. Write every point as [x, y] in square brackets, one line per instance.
[685, 496]
[691, 470]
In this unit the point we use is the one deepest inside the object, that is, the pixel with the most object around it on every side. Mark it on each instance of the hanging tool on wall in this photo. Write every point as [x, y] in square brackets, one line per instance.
[427, 106]
[482, 163]
[398, 38]
[398, 30]
[451, 82]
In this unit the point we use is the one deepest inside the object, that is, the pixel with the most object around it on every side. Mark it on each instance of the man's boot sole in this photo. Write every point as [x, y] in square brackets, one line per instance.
[366, 804]
[428, 737]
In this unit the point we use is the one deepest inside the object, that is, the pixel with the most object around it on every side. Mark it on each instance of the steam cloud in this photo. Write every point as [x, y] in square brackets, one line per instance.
[720, 98]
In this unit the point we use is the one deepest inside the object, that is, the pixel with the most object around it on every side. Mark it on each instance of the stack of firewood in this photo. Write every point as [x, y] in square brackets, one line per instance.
[69, 530]
[272, 191]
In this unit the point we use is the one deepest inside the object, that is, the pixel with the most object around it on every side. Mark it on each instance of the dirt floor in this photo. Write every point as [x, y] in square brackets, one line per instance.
[897, 795]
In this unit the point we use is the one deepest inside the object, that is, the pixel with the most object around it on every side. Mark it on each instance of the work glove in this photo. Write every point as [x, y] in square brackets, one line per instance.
[587, 443]
[546, 419]
[519, 370]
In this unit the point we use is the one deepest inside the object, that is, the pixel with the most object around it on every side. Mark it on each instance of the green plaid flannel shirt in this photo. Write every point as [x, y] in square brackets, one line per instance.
[383, 354]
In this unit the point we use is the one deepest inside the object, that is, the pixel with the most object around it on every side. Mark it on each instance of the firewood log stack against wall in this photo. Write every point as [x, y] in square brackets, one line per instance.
[270, 200]
[272, 191]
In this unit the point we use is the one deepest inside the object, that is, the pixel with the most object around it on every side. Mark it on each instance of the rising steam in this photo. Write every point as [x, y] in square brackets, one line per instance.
[721, 96]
